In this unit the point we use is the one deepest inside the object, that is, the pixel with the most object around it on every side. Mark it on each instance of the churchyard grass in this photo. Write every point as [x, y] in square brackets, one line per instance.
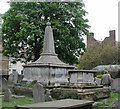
[0, 92]
[29, 100]
[17, 101]
[29, 85]
[110, 100]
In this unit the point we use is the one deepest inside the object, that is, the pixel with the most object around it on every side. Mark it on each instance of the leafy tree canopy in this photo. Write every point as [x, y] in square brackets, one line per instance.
[100, 54]
[24, 26]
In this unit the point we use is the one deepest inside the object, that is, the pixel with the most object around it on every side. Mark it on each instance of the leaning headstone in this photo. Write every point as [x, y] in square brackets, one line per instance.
[38, 93]
[7, 95]
[15, 79]
[97, 81]
[4, 84]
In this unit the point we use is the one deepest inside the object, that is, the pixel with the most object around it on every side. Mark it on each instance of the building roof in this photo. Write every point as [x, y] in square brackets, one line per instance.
[107, 67]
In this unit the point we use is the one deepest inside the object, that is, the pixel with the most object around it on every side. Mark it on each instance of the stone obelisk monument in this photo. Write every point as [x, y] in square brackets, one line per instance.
[48, 69]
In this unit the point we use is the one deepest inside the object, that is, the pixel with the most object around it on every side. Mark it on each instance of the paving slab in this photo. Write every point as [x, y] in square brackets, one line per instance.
[60, 104]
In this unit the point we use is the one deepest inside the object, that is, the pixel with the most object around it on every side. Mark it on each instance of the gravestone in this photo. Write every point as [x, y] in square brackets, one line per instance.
[7, 95]
[15, 79]
[4, 84]
[116, 84]
[10, 79]
[98, 81]
[38, 93]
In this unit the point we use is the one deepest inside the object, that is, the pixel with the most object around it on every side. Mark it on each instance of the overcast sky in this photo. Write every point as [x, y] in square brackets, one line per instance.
[102, 16]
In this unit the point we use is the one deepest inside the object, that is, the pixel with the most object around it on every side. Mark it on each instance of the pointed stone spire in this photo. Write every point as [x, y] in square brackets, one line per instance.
[48, 56]
[48, 46]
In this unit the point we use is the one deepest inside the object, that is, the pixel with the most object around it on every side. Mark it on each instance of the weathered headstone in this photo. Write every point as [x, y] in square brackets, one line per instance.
[98, 81]
[38, 93]
[7, 95]
[4, 84]
[116, 84]
[10, 79]
[15, 79]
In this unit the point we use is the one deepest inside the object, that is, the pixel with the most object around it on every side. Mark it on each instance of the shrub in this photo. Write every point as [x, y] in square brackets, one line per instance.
[99, 76]
[69, 95]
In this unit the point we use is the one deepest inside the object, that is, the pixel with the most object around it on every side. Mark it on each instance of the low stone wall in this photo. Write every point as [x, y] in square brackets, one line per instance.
[88, 94]
[23, 91]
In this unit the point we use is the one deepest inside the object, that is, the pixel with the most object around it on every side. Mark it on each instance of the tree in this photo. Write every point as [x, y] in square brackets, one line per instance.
[99, 54]
[25, 22]
[0, 28]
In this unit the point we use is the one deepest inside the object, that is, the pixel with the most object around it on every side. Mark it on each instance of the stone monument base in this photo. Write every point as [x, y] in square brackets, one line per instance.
[47, 74]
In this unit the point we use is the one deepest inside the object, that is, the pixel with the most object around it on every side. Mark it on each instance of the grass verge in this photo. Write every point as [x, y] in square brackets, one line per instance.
[16, 101]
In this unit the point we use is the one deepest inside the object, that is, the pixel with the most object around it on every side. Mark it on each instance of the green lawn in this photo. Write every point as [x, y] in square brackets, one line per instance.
[0, 92]
[110, 100]
[29, 100]
[18, 101]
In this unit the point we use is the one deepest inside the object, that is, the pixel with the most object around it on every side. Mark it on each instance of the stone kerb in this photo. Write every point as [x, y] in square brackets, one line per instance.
[38, 93]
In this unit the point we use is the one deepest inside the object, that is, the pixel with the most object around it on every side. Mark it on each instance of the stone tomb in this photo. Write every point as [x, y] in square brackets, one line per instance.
[48, 69]
[81, 76]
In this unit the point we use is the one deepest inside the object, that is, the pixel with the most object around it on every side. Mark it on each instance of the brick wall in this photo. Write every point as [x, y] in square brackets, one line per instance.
[107, 41]
[4, 62]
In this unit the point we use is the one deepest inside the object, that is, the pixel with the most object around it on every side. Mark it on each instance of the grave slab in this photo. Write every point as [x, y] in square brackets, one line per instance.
[60, 104]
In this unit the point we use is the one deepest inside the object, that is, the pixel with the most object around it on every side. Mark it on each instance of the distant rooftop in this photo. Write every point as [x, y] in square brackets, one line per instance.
[107, 67]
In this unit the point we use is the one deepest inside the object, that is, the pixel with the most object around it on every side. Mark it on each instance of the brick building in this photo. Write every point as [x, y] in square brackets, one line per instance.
[107, 41]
